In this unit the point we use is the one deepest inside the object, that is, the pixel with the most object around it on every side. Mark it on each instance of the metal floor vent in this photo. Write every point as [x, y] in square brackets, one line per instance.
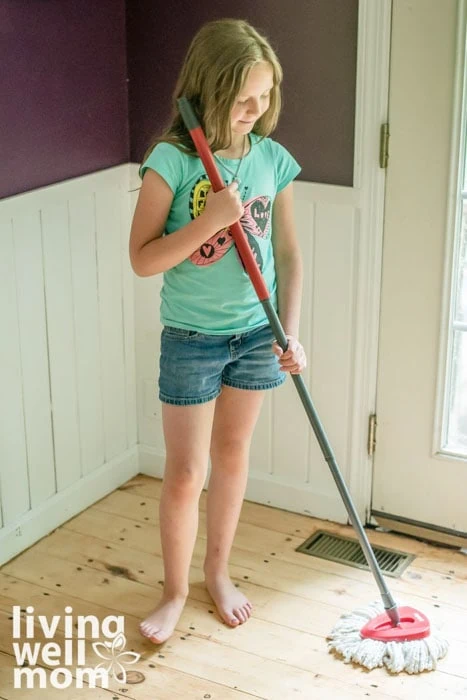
[347, 551]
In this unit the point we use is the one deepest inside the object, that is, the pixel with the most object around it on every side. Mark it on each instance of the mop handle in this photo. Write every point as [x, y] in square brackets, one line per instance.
[241, 241]
[251, 266]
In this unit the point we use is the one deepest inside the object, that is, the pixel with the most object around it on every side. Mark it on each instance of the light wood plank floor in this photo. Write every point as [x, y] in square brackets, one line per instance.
[107, 561]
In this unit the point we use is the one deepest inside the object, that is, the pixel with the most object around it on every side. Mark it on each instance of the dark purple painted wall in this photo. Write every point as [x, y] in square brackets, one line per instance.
[63, 88]
[316, 41]
[64, 91]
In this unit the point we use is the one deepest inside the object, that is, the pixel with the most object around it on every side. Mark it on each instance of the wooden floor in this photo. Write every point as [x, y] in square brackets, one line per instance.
[107, 561]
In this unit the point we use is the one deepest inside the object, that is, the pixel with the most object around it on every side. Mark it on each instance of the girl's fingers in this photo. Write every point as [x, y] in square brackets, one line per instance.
[293, 360]
[295, 369]
[294, 364]
[277, 350]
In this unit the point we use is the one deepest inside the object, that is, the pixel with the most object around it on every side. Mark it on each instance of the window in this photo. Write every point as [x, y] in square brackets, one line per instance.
[454, 428]
[455, 438]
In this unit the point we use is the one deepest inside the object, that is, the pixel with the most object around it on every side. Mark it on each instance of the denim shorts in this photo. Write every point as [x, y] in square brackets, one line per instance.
[194, 366]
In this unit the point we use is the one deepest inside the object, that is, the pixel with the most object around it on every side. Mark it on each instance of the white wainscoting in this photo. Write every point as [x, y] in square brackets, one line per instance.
[287, 469]
[68, 432]
[79, 412]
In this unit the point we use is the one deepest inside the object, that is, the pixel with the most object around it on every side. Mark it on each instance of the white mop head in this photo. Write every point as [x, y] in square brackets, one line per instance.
[412, 656]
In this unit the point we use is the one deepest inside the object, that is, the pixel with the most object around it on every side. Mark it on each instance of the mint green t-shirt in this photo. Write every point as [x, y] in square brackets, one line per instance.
[210, 292]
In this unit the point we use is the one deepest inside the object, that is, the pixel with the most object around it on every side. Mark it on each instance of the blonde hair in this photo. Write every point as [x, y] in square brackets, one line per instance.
[217, 64]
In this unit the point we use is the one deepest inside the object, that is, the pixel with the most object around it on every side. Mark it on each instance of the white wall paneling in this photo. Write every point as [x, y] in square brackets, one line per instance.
[67, 358]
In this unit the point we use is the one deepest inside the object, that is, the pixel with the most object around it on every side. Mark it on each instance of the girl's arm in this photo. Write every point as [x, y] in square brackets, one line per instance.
[289, 275]
[150, 251]
[288, 259]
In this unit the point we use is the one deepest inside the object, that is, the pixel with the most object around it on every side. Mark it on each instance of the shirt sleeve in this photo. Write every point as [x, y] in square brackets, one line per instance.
[167, 160]
[286, 166]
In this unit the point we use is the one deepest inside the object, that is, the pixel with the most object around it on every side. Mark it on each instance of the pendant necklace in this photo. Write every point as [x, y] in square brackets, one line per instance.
[234, 173]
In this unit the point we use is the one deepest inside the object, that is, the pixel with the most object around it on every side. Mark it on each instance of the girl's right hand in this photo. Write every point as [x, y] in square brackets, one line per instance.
[224, 207]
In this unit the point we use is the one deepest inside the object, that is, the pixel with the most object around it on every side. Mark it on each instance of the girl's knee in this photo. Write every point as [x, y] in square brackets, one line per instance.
[229, 448]
[184, 477]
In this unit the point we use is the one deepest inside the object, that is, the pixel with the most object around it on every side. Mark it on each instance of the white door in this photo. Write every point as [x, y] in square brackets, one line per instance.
[414, 482]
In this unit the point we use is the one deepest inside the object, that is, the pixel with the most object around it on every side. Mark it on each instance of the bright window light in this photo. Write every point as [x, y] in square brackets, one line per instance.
[454, 429]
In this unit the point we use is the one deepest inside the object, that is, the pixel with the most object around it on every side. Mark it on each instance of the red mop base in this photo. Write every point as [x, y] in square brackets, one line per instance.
[413, 625]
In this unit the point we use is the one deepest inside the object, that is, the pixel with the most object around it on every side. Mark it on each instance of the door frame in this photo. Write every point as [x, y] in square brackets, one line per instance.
[372, 103]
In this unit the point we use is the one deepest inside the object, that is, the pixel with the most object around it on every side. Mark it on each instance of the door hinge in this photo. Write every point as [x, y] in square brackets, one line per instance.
[384, 146]
[372, 435]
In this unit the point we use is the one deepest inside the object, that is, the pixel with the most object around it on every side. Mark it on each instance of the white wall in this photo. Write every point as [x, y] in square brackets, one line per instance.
[68, 432]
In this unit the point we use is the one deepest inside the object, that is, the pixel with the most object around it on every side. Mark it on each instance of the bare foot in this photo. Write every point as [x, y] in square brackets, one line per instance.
[233, 606]
[160, 623]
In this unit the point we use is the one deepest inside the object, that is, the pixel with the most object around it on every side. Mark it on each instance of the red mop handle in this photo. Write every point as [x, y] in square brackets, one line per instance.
[204, 152]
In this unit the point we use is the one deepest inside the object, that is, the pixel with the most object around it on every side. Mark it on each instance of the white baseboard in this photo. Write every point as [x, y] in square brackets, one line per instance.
[151, 461]
[291, 497]
[36, 524]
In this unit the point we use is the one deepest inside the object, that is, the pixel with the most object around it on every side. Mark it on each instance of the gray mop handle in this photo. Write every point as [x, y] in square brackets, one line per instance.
[388, 601]
[201, 144]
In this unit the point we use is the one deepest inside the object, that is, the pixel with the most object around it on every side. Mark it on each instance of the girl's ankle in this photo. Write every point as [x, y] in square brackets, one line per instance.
[212, 569]
[175, 594]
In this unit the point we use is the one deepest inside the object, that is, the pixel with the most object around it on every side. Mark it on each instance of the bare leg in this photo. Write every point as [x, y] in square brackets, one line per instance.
[187, 432]
[236, 413]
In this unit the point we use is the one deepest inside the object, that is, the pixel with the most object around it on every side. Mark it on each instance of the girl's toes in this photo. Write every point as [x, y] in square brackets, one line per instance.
[240, 614]
[149, 631]
[154, 635]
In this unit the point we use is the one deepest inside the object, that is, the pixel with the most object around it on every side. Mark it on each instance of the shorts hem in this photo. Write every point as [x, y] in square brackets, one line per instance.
[188, 402]
[258, 386]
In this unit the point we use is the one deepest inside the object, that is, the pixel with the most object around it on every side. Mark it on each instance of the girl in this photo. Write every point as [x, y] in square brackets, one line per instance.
[217, 350]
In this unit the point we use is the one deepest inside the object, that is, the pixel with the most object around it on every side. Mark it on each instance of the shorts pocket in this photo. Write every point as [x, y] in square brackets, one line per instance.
[179, 333]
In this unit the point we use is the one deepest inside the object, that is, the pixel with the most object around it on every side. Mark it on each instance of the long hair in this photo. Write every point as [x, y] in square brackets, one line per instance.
[217, 63]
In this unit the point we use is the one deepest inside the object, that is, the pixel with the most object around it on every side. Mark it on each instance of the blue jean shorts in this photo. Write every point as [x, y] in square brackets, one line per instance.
[194, 366]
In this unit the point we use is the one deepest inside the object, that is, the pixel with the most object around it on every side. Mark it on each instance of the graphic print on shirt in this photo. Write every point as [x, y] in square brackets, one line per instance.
[256, 222]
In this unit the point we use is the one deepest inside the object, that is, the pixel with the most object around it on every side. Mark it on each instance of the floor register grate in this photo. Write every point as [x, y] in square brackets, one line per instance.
[348, 551]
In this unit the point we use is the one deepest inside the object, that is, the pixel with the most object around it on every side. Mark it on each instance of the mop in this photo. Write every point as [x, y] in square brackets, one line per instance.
[380, 634]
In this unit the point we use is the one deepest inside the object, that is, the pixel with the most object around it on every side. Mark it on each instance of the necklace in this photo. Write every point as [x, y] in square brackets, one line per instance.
[232, 172]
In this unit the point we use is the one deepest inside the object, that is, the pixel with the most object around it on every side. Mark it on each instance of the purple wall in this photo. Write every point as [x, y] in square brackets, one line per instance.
[64, 91]
[63, 87]
[316, 41]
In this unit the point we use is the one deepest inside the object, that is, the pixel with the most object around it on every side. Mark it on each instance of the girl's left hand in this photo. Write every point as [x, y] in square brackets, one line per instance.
[293, 360]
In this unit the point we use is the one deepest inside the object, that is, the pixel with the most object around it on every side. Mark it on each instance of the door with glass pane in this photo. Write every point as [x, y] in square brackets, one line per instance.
[420, 463]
